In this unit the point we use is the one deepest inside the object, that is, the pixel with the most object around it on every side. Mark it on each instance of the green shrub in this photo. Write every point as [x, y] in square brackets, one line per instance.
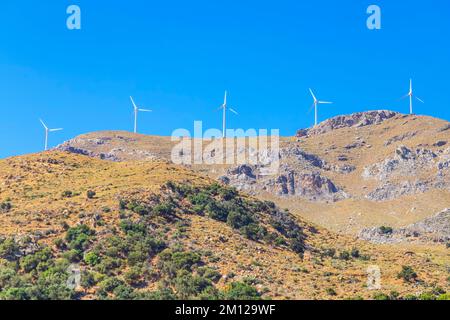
[88, 280]
[130, 227]
[91, 194]
[445, 296]
[81, 230]
[73, 255]
[141, 210]
[123, 204]
[124, 292]
[380, 296]
[5, 207]
[427, 296]
[329, 252]
[163, 293]
[67, 194]
[133, 276]
[241, 291]
[228, 194]
[344, 255]
[9, 249]
[166, 209]
[394, 295]
[189, 286]
[39, 261]
[386, 230]
[355, 253]
[60, 244]
[92, 258]
[200, 200]
[407, 274]
[111, 283]
[238, 220]
[52, 284]
[253, 231]
[331, 292]
[297, 246]
[209, 273]
[108, 265]
[171, 262]
[216, 211]
[279, 241]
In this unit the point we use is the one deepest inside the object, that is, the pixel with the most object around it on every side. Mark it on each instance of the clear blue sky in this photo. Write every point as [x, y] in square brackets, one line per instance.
[177, 57]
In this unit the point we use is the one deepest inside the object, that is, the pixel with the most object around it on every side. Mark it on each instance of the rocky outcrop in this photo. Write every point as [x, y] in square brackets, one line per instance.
[404, 163]
[309, 185]
[312, 186]
[396, 173]
[400, 138]
[299, 175]
[434, 229]
[357, 120]
[390, 191]
[89, 147]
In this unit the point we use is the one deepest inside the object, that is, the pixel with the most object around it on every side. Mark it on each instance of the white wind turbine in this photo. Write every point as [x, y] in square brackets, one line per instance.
[47, 130]
[136, 111]
[224, 107]
[315, 105]
[411, 96]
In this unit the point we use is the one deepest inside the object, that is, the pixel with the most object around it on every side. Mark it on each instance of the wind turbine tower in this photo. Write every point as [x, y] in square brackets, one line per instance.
[224, 108]
[47, 130]
[411, 97]
[316, 104]
[136, 111]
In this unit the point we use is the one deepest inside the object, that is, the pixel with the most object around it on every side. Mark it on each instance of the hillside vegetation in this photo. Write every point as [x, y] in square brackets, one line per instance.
[152, 230]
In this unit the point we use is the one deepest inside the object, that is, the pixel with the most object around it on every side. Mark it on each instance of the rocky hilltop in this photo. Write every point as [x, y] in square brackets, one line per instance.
[355, 120]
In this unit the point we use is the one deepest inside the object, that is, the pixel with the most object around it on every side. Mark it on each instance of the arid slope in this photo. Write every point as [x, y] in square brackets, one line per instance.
[48, 197]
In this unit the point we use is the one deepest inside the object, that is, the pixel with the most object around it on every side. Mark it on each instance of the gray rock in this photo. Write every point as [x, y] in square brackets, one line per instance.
[400, 138]
[434, 229]
[359, 119]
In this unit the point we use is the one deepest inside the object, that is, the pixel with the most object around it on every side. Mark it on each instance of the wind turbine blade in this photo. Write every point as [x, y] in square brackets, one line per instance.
[43, 123]
[145, 110]
[410, 85]
[132, 101]
[325, 102]
[404, 97]
[234, 111]
[310, 109]
[420, 99]
[221, 107]
[53, 130]
[312, 93]
[225, 98]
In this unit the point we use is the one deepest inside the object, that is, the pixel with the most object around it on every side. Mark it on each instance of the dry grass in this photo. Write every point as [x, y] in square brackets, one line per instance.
[34, 184]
